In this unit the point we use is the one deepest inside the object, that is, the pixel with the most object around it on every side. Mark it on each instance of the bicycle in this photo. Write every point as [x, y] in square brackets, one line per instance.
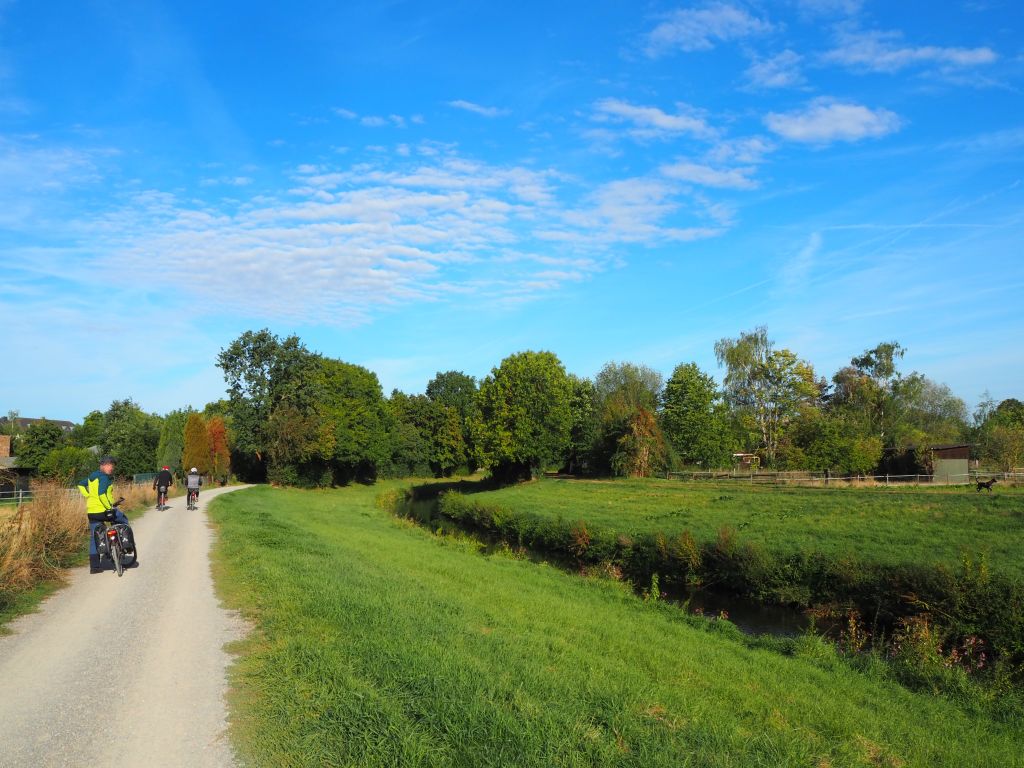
[193, 498]
[112, 542]
[161, 498]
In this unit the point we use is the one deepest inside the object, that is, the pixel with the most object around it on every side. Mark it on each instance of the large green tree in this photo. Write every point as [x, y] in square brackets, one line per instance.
[262, 372]
[693, 419]
[767, 388]
[37, 441]
[67, 464]
[625, 395]
[172, 440]
[457, 391]
[584, 427]
[131, 435]
[90, 432]
[525, 415]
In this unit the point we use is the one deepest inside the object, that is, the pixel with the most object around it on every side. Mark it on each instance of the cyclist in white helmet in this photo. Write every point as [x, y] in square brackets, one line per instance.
[192, 482]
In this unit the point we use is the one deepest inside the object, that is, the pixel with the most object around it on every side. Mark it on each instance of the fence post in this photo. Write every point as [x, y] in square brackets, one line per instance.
[887, 480]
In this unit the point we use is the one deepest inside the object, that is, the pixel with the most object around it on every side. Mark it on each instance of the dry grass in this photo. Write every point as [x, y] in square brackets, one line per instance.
[49, 534]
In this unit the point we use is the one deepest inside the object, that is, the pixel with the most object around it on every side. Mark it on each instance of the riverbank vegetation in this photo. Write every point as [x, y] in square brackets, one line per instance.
[378, 643]
[886, 561]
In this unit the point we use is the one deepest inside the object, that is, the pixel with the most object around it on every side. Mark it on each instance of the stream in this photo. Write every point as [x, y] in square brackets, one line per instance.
[749, 616]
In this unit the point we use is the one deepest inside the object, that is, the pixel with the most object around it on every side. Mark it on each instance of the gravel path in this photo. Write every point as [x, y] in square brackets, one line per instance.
[125, 671]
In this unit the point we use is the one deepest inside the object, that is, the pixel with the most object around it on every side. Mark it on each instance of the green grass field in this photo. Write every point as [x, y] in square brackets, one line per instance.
[889, 526]
[376, 643]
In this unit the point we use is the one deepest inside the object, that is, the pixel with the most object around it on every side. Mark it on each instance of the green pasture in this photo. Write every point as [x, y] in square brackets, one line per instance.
[884, 526]
[376, 643]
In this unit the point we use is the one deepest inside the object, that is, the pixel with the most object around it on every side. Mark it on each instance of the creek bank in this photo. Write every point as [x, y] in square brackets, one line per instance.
[962, 619]
[751, 617]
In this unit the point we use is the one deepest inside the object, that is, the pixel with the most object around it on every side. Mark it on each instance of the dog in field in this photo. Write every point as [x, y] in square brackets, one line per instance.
[987, 485]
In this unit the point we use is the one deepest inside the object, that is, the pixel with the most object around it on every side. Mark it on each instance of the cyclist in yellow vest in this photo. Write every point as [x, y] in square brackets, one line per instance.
[98, 490]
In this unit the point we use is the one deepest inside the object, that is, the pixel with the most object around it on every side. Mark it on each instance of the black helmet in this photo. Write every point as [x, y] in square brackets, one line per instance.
[107, 460]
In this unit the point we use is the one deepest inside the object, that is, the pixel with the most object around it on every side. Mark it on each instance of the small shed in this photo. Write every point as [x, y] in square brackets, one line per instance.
[951, 463]
[746, 461]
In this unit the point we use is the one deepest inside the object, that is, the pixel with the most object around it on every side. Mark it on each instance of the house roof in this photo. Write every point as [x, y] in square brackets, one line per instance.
[947, 446]
[25, 423]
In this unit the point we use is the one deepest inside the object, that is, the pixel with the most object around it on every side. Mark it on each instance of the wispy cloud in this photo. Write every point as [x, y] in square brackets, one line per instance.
[824, 121]
[779, 71]
[230, 181]
[830, 7]
[700, 29]
[706, 176]
[477, 109]
[651, 122]
[878, 51]
[796, 271]
[376, 121]
[347, 243]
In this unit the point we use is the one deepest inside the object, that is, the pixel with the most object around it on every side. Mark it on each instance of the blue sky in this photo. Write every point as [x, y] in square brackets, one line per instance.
[430, 186]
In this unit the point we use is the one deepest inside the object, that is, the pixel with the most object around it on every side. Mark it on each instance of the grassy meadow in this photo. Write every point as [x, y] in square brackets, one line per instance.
[889, 526]
[377, 643]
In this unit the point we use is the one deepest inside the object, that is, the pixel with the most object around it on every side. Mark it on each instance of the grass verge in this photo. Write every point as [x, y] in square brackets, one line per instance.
[378, 644]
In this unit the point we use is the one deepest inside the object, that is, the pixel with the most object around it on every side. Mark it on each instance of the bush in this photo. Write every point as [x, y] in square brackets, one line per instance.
[67, 464]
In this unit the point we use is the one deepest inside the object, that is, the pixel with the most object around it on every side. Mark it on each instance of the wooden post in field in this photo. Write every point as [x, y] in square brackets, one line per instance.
[887, 480]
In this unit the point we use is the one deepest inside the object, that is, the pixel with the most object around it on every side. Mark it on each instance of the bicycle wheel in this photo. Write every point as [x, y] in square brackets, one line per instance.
[117, 556]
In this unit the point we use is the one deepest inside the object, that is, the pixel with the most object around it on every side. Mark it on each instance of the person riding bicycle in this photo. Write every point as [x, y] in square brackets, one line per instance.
[161, 483]
[98, 490]
[192, 482]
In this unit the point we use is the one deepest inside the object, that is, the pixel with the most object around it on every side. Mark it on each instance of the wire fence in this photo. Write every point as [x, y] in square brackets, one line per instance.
[826, 478]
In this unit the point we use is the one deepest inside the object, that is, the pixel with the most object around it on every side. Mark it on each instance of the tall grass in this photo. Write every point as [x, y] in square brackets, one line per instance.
[49, 534]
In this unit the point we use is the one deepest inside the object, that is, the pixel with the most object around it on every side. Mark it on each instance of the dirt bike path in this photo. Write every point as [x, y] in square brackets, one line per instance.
[125, 671]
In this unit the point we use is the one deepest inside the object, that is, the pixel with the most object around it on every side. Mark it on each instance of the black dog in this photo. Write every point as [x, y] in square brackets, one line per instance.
[987, 485]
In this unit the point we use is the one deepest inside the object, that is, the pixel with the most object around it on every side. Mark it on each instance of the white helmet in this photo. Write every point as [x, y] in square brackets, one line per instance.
[193, 470]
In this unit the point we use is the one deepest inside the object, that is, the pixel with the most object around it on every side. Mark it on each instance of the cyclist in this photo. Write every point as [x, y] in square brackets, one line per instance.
[161, 483]
[98, 490]
[192, 482]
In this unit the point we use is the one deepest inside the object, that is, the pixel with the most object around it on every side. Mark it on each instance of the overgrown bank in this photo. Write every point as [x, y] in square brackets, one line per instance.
[46, 536]
[377, 643]
[970, 615]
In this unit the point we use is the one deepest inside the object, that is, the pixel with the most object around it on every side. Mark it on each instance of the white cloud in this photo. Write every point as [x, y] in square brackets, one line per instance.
[877, 51]
[651, 122]
[699, 29]
[779, 71]
[347, 243]
[751, 149]
[824, 121]
[348, 114]
[830, 7]
[373, 121]
[795, 272]
[706, 176]
[477, 109]
[230, 181]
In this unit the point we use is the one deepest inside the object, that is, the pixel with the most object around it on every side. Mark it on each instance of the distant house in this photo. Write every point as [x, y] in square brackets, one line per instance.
[12, 476]
[951, 463]
[23, 424]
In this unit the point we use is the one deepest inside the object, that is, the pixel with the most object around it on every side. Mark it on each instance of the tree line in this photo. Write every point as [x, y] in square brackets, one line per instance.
[295, 417]
[300, 418]
[142, 442]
